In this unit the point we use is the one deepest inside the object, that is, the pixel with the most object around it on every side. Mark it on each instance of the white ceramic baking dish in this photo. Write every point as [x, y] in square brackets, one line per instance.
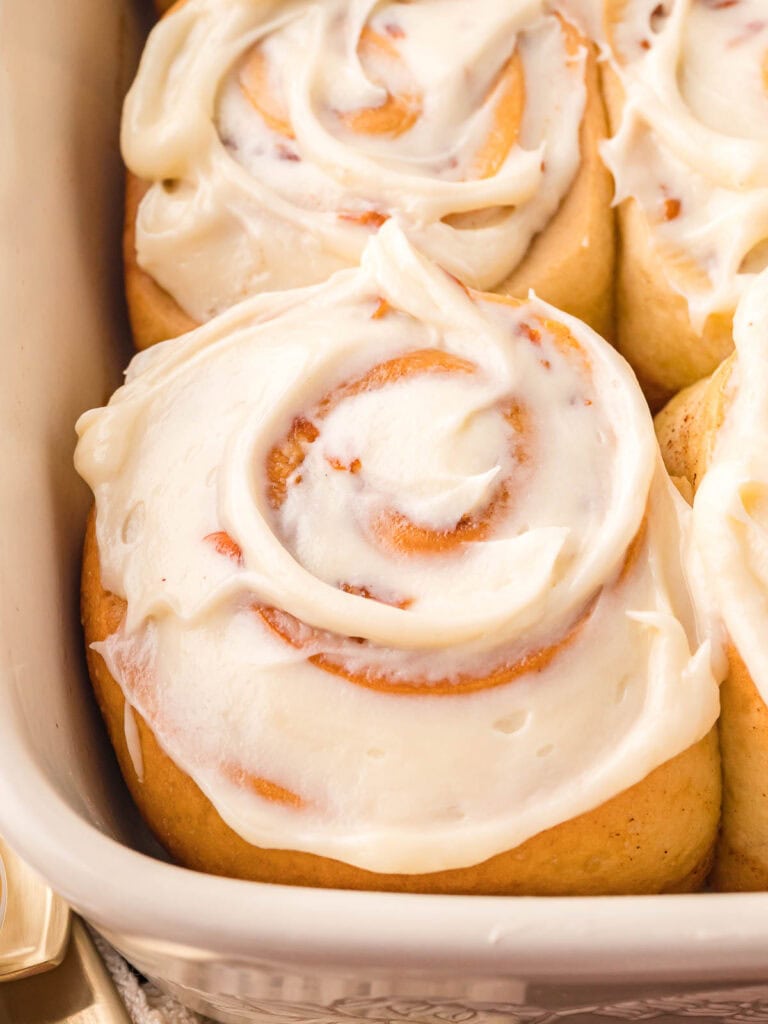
[239, 950]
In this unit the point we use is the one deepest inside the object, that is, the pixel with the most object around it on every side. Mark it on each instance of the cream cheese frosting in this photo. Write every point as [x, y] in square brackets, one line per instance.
[731, 504]
[402, 567]
[277, 130]
[692, 145]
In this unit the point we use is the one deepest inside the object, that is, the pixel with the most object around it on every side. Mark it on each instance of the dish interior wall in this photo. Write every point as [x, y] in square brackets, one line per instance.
[65, 344]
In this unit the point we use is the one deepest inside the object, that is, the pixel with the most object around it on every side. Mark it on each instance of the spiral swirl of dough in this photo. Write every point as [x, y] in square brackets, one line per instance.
[402, 568]
[271, 129]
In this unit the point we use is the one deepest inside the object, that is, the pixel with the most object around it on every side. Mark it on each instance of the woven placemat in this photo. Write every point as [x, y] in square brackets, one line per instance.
[145, 1003]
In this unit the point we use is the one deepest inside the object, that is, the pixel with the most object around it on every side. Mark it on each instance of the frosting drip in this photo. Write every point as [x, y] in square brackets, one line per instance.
[731, 504]
[692, 145]
[402, 567]
[271, 129]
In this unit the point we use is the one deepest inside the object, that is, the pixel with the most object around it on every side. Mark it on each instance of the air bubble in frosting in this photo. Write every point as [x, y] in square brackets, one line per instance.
[658, 18]
[512, 723]
[621, 689]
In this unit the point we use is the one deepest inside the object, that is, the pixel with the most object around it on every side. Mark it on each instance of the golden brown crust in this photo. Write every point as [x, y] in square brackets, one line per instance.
[741, 863]
[154, 315]
[655, 837]
[570, 263]
[687, 430]
[654, 330]
[687, 426]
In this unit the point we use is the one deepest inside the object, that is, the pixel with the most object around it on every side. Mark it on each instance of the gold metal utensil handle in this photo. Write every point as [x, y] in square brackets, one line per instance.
[34, 929]
[48, 977]
[79, 991]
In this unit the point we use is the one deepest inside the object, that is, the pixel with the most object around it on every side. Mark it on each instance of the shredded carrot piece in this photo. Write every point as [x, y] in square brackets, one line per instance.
[225, 545]
[398, 113]
[263, 787]
[257, 88]
[367, 218]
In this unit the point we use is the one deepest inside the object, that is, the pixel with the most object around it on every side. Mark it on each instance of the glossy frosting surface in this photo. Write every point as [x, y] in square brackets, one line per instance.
[692, 146]
[402, 567]
[280, 134]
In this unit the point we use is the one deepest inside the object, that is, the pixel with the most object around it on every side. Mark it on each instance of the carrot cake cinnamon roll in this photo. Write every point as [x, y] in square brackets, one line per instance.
[687, 90]
[714, 436]
[267, 141]
[384, 590]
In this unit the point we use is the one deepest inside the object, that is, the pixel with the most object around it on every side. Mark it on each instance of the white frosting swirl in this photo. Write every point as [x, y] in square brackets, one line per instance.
[272, 129]
[692, 146]
[468, 489]
[731, 504]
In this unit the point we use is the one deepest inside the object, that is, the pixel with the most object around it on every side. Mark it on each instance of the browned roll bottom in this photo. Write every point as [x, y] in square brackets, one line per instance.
[657, 836]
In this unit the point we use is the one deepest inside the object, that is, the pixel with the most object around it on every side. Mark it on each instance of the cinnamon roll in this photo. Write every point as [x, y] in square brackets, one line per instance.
[267, 141]
[714, 437]
[687, 90]
[384, 589]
